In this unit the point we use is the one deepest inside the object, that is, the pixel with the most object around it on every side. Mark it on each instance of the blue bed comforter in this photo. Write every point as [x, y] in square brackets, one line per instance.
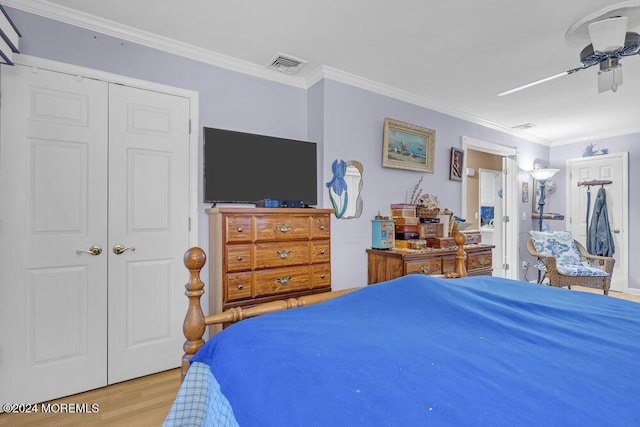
[425, 351]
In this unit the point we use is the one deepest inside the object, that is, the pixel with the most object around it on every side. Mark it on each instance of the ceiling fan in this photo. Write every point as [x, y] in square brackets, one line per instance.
[610, 41]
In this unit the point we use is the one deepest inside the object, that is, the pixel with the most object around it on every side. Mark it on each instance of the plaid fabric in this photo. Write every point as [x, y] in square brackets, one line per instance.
[199, 401]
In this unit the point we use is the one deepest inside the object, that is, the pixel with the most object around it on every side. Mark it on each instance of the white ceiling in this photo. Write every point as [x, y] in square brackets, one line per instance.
[450, 56]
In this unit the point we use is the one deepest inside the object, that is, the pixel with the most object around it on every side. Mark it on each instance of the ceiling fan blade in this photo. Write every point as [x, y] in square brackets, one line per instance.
[546, 79]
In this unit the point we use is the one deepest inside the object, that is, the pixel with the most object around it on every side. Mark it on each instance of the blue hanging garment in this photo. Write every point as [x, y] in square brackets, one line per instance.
[599, 238]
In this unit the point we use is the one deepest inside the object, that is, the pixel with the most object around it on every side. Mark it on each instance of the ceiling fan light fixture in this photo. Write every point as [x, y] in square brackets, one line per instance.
[609, 78]
[609, 34]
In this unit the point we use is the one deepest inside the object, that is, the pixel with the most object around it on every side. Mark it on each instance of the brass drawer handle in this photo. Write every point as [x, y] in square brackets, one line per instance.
[240, 229]
[283, 254]
[322, 276]
[321, 251]
[284, 280]
[240, 257]
[322, 227]
[241, 286]
[283, 228]
[426, 269]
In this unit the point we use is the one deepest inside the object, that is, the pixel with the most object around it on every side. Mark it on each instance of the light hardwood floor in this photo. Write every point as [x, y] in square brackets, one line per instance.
[614, 294]
[140, 402]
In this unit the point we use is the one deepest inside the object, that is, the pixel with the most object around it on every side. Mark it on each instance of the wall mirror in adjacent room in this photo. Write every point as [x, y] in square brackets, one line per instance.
[345, 188]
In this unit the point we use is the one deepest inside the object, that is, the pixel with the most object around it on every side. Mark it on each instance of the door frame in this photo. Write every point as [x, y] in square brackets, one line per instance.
[192, 96]
[624, 250]
[498, 207]
[510, 161]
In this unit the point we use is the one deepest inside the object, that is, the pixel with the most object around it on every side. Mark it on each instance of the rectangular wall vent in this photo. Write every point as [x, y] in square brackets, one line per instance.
[287, 64]
[524, 126]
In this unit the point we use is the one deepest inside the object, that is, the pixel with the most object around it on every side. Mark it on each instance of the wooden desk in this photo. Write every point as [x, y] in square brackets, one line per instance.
[385, 265]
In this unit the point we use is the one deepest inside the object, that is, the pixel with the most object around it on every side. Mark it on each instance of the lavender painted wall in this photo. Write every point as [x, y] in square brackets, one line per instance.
[353, 130]
[345, 121]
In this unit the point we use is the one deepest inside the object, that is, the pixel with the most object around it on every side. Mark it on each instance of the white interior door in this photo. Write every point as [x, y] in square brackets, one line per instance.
[53, 202]
[613, 167]
[149, 213]
[84, 163]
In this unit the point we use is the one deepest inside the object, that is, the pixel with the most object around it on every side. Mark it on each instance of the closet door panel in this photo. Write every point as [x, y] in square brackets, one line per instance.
[148, 213]
[53, 209]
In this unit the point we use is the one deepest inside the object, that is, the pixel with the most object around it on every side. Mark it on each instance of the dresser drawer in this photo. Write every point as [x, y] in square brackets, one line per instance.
[479, 261]
[237, 228]
[320, 251]
[279, 228]
[282, 280]
[428, 266]
[238, 257]
[320, 275]
[258, 255]
[281, 254]
[237, 286]
[320, 226]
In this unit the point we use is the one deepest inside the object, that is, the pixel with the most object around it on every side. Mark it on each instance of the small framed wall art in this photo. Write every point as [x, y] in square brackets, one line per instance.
[408, 146]
[457, 164]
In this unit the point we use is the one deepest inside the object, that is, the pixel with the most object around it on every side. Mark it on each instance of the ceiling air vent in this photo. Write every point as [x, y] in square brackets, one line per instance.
[287, 64]
[524, 126]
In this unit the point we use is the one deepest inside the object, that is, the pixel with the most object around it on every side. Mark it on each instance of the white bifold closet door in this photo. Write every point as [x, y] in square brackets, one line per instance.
[86, 166]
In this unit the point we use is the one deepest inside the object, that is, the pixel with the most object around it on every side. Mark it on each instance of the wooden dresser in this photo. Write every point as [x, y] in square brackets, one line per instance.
[263, 254]
[385, 265]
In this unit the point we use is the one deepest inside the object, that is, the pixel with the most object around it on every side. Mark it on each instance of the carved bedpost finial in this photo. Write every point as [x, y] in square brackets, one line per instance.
[193, 326]
[461, 255]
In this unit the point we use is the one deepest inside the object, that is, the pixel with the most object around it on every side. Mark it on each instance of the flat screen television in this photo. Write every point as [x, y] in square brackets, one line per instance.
[247, 168]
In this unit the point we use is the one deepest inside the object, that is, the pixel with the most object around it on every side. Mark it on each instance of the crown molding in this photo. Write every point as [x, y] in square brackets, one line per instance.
[90, 22]
[613, 134]
[114, 29]
[411, 98]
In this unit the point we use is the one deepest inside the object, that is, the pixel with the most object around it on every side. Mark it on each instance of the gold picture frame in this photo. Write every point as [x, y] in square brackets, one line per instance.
[408, 146]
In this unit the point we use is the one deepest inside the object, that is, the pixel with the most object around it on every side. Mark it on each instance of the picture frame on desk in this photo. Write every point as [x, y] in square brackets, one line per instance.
[407, 146]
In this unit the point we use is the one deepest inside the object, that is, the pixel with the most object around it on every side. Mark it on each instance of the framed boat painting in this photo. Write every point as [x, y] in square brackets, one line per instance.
[408, 146]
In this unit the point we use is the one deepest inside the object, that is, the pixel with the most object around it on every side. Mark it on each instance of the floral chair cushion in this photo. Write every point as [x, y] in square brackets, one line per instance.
[561, 246]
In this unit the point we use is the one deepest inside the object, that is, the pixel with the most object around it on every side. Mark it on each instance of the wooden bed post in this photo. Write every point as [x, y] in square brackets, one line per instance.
[461, 255]
[194, 324]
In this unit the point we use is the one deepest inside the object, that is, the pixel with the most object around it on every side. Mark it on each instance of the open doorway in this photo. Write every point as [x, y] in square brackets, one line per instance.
[490, 207]
[499, 196]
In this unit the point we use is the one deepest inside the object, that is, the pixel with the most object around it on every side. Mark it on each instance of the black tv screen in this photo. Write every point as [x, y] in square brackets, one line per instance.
[247, 168]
